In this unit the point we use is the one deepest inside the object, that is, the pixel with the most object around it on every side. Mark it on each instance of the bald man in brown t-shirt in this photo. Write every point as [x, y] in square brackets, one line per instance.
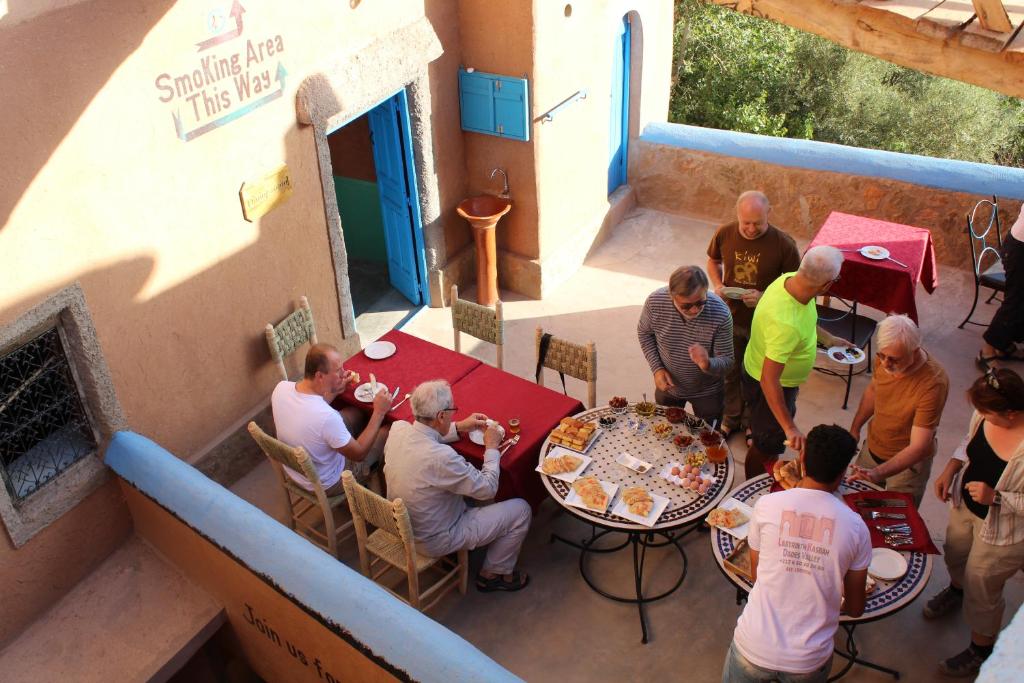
[749, 254]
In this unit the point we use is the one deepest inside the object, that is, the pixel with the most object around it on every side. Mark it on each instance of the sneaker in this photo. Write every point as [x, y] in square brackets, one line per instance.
[943, 602]
[967, 663]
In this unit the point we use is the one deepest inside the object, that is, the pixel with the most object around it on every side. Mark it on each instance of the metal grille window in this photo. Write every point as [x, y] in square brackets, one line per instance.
[43, 426]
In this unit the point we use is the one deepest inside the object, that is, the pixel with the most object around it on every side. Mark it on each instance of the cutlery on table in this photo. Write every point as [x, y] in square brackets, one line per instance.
[895, 529]
[510, 444]
[404, 399]
[883, 515]
[898, 263]
[880, 503]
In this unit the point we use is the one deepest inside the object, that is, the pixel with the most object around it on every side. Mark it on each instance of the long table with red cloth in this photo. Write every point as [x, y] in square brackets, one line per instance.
[476, 387]
[884, 285]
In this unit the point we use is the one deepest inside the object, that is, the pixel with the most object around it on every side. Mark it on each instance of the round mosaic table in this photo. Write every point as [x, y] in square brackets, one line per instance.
[685, 508]
[888, 597]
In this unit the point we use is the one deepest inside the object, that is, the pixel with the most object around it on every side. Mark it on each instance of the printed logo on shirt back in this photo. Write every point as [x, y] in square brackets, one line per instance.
[806, 540]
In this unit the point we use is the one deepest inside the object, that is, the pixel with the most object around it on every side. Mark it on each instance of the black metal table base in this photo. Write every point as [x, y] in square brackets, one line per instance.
[850, 655]
[640, 542]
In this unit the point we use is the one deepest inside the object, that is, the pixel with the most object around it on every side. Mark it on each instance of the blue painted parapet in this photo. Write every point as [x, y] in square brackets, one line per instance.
[946, 174]
[397, 637]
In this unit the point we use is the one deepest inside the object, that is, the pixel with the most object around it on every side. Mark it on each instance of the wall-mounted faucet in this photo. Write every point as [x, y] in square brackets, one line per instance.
[505, 193]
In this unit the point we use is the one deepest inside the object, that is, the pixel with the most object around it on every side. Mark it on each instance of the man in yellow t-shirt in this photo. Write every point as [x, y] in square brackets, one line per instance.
[783, 341]
[904, 403]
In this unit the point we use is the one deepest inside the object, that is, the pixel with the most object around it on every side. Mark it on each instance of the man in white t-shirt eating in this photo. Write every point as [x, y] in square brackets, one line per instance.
[807, 550]
[304, 417]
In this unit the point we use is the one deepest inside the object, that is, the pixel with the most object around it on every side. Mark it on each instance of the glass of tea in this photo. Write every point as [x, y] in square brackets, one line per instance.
[513, 425]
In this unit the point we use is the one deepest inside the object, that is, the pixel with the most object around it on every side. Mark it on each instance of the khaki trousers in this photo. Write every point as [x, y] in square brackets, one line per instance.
[913, 480]
[981, 568]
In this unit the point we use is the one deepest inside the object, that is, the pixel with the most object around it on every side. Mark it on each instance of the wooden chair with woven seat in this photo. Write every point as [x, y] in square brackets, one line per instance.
[291, 333]
[568, 358]
[392, 546]
[303, 504]
[482, 322]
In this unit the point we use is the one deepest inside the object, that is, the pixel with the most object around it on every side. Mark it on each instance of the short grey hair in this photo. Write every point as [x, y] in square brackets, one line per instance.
[686, 280]
[430, 398]
[756, 195]
[899, 330]
[821, 264]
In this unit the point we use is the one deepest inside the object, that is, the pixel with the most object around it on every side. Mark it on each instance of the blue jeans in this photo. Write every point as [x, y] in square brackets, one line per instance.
[738, 669]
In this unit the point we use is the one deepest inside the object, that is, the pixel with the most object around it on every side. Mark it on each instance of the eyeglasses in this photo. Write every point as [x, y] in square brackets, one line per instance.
[693, 305]
[885, 356]
[453, 409]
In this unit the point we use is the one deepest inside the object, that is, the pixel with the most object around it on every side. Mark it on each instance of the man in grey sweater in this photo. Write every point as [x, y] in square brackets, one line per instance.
[685, 333]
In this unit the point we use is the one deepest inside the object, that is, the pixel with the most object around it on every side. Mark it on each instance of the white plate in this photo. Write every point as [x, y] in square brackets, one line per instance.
[569, 477]
[593, 438]
[733, 504]
[660, 503]
[887, 564]
[874, 253]
[574, 499]
[733, 292]
[364, 394]
[379, 349]
[477, 435]
[636, 464]
[850, 357]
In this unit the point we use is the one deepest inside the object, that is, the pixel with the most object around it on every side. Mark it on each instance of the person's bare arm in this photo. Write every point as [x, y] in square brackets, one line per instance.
[715, 275]
[919, 448]
[855, 591]
[359, 447]
[754, 556]
[864, 411]
[771, 386]
[1018, 227]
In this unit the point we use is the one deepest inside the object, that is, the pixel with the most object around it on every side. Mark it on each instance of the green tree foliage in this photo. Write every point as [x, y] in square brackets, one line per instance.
[737, 72]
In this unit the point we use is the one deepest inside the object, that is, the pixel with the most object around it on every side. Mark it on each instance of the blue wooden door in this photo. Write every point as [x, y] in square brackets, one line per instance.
[618, 136]
[392, 156]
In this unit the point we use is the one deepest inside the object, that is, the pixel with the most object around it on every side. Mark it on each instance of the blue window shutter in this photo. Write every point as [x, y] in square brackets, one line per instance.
[511, 108]
[476, 99]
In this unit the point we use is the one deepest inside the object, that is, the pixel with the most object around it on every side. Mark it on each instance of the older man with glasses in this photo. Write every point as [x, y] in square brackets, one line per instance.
[904, 403]
[433, 479]
[685, 333]
[783, 342]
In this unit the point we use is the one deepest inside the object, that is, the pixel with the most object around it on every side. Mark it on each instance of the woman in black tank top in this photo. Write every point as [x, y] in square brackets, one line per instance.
[982, 465]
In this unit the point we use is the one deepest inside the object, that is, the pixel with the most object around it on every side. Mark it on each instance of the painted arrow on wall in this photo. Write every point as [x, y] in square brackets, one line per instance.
[236, 11]
[233, 116]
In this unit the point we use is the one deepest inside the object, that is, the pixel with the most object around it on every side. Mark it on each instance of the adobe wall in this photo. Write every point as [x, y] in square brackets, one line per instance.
[704, 184]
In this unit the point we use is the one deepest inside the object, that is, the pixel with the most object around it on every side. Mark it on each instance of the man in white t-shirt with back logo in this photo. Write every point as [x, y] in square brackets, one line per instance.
[807, 550]
[304, 417]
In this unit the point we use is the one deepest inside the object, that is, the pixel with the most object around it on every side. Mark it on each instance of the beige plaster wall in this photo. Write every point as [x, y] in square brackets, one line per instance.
[705, 185]
[97, 188]
[574, 53]
[57, 558]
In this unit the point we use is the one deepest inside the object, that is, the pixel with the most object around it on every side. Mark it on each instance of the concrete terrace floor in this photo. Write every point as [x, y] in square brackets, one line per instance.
[558, 628]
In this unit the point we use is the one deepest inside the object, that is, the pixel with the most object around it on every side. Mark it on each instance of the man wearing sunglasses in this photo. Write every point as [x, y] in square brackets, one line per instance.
[685, 333]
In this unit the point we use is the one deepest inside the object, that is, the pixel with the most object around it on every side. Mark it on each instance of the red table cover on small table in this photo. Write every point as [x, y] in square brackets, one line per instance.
[883, 285]
[501, 396]
[415, 361]
[919, 530]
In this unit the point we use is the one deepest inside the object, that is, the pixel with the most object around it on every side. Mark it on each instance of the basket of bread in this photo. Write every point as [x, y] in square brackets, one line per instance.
[787, 473]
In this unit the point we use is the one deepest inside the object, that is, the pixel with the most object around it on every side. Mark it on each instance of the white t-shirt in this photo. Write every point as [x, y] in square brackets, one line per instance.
[807, 540]
[309, 421]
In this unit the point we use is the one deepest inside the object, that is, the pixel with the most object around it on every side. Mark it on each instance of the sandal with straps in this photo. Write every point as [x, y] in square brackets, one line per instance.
[498, 583]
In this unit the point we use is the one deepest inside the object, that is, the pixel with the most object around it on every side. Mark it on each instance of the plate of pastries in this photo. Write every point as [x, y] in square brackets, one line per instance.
[732, 516]
[574, 434]
[590, 493]
[637, 504]
[563, 464]
[787, 473]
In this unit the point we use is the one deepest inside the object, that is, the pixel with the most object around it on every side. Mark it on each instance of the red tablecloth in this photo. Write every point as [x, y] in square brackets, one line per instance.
[500, 396]
[922, 539]
[415, 361]
[883, 285]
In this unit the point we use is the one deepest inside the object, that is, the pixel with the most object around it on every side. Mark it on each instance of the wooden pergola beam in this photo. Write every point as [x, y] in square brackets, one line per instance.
[892, 36]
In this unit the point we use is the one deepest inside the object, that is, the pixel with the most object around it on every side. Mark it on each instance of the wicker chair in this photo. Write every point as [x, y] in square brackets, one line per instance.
[291, 333]
[567, 358]
[302, 503]
[479, 321]
[392, 546]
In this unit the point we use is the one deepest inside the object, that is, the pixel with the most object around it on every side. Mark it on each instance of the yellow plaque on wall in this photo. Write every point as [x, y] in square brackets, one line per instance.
[261, 195]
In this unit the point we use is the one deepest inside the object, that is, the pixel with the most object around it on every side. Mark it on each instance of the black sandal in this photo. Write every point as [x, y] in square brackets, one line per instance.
[498, 583]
